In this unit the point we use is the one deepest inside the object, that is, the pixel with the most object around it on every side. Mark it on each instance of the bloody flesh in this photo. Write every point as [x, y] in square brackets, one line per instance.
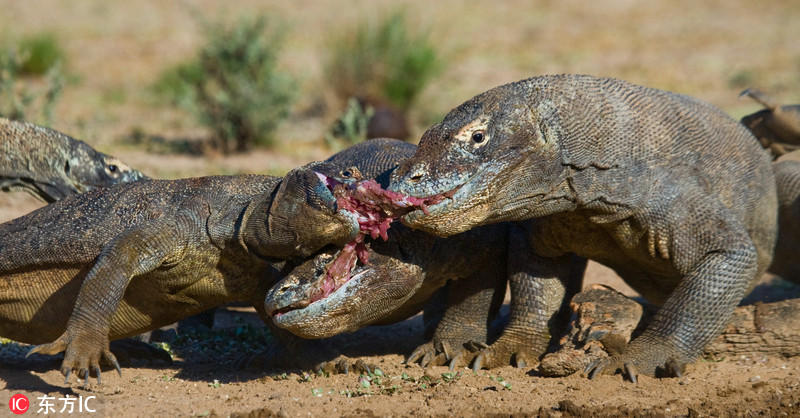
[376, 208]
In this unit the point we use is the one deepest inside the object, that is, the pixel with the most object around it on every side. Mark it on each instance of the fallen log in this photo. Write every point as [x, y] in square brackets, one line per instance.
[604, 320]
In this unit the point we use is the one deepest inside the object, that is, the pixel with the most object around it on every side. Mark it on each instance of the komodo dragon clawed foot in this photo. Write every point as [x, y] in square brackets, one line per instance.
[345, 365]
[297, 355]
[444, 352]
[83, 348]
[504, 352]
[645, 356]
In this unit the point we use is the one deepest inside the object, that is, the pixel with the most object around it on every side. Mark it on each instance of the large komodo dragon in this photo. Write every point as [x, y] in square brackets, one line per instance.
[51, 165]
[674, 195]
[134, 257]
[322, 297]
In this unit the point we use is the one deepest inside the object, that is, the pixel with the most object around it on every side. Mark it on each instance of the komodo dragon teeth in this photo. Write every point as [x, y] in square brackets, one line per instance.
[376, 208]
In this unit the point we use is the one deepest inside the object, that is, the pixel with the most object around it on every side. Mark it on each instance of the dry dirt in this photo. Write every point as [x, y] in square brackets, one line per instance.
[742, 386]
[709, 49]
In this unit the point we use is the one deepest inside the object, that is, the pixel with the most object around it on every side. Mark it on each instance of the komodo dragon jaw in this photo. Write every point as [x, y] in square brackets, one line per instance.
[339, 273]
[472, 157]
[302, 217]
[305, 303]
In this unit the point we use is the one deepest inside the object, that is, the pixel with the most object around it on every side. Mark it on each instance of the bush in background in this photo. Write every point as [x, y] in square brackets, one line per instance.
[233, 85]
[351, 127]
[27, 98]
[386, 61]
[41, 52]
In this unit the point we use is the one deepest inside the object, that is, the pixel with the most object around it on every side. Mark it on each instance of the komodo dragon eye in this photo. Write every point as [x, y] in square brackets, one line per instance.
[478, 137]
[112, 168]
[346, 173]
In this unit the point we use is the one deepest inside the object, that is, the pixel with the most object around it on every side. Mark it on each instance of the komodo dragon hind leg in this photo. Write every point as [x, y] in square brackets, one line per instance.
[541, 288]
[132, 253]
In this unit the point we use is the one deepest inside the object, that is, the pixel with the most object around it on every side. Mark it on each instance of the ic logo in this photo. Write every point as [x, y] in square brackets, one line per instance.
[19, 404]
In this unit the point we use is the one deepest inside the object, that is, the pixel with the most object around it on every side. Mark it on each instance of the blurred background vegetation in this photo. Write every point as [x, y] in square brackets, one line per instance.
[185, 88]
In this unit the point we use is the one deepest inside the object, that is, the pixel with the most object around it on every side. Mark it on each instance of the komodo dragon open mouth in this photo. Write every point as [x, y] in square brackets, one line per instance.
[375, 208]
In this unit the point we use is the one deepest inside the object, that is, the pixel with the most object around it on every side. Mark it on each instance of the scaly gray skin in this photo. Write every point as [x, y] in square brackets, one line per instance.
[787, 179]
[51, 165]
[674, 195]
[134, 257]
[400, 278]
[402, 275]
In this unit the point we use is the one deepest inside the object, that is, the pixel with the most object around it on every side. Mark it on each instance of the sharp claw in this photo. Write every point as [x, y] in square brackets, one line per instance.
[452, 364]
[33, 350]
[674, 368]
[97, 371]
[362, 367]
[521, 364]
[85, 374]
[446, 350]
[66, 376]
[630, 370]
[476, 365]
[595, 368]
[113, 360]
[426, 360]
[413, 357]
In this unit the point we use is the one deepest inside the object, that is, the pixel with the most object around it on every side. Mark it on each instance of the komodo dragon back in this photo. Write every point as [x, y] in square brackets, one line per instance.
[51, 165]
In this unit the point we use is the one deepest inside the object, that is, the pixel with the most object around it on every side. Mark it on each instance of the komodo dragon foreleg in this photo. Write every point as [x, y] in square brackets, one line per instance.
[465, 322]
[133, 253]
[717, 262]
[541, 287]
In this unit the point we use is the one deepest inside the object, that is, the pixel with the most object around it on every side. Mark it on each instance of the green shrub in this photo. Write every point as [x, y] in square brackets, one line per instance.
[41, 52]
[386, 60]
[18, 99]
[233, 85]
[351, 127]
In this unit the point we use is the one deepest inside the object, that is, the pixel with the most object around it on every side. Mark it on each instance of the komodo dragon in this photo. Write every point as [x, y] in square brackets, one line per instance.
[787, 248]
[674, 195]
[134, 257]
[776, 127]
[51, 165]
[319, 298]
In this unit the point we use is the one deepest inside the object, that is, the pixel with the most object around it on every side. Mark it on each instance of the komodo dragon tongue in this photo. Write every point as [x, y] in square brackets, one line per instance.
[375, 208]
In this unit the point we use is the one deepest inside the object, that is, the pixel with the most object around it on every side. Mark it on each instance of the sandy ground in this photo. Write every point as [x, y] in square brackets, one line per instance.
[744, 386]
[710, 49]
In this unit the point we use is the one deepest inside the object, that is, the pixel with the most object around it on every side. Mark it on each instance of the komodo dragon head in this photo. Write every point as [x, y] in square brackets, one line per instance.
[479, 158]
[318, 204]
[317, 300]
[51, 165]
